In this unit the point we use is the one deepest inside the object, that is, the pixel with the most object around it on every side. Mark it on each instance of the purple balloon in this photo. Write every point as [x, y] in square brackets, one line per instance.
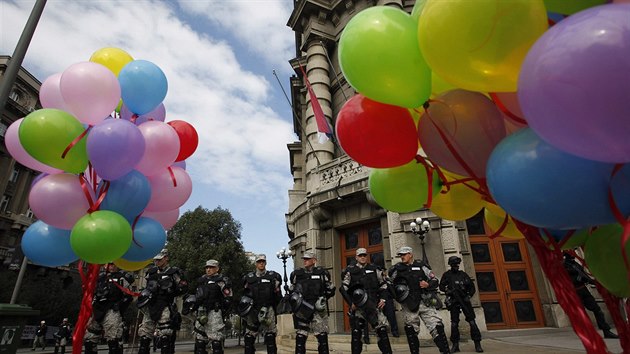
[114, 147]
[158, 113]
[574, 84]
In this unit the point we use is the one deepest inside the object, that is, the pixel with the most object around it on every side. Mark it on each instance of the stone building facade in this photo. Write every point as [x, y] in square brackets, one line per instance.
[332, 212]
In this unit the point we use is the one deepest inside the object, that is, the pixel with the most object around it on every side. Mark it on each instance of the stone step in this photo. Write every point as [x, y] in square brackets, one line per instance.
[340, 343]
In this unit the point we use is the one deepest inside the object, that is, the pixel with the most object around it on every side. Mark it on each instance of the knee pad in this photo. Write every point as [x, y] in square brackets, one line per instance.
[270, 338]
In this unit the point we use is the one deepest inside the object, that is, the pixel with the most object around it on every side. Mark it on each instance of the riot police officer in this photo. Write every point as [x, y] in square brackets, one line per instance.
[212, 302]
[459, 288]
[580, 278]
[363, 287]
[62, 336]
[157, 304]
[412, 281]
[258, 304]
[110, 301]
[311, 288]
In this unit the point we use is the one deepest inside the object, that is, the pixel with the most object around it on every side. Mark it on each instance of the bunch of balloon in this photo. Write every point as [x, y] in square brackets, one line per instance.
[522, 107]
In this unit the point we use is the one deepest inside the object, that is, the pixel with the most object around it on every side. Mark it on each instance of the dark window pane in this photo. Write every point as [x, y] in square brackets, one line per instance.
[480, 253]
[511, 252]
[475, 224]
[486, 282]
[524, 311]
[492, 311]
[378, 259]
[518, 280]
[352, 239]
[375, 237]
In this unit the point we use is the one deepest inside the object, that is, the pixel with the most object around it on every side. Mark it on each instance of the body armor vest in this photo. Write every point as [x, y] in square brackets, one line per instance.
[163, 284]
[312, 283]
[106, 289]
[263, 288]
[210, 290]
[411, 275]
[458, 281]
[366, 278]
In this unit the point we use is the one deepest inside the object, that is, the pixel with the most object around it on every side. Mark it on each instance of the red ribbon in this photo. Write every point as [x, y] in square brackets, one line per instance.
[74, 142]
[126, 291]
[505, 110]
[88, 284]
[170, 171]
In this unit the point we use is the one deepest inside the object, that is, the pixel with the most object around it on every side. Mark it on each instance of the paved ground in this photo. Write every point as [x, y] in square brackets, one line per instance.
[541, 340]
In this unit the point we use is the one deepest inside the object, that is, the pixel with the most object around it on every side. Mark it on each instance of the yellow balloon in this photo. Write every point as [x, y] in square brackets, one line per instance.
[459, 203]
[112, 58]
[494, 222]
[480, 45]
[131, 266]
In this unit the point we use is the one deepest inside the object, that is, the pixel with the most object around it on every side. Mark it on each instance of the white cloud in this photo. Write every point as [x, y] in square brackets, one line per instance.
[242, 138]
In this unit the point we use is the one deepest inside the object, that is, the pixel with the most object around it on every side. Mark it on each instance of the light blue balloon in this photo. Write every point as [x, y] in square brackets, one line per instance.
[149, 238]
[48, 246]
[546, 187]
[127, 195]
[143, 86]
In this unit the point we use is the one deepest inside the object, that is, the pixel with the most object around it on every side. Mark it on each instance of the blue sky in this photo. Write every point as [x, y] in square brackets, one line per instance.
[218, 57]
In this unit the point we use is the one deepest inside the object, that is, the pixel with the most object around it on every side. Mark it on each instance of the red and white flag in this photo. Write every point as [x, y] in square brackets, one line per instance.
[324, 131]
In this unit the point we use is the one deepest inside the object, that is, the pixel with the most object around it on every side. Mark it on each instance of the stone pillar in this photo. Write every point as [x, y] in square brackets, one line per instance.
[317, 72]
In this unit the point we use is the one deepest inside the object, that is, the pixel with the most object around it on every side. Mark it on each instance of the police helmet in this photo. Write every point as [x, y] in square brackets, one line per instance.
[454, 260]
[301, 308]
[189, 304]
[401, 292]
[359, 297]
[144, 298]
[245, 305]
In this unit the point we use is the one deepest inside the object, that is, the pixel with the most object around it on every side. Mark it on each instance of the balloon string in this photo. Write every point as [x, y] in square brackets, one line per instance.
[102, 193]
[566, 238]
[133, 228]
[75, 141]
[84, 186]
[429, 171]
[170, 171]
[134, 117]
[501, 228]
[622, 220]
[126, 291]
[88, 283]
[612, 303]
[551, 263]
[505, 110]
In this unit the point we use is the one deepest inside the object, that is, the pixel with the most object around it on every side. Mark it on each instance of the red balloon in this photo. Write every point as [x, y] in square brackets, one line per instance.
[376, 134]
[188, 138]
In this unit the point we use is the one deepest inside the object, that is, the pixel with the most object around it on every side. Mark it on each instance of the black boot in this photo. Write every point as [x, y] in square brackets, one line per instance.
[145, 345]
[322, 343]
[439, 338]
[478, 347]
[609, 334]
[165, 345]
[383, 340]
[455, 336]
[270, 342]
[200, 346]
[455, 347]
[412, 339]
[56, 349]
[300, 344]
[90, 348]
[366, 335]
[250, 341]
[63, 349]
[217, 347]
[356, 346]
[114, 347]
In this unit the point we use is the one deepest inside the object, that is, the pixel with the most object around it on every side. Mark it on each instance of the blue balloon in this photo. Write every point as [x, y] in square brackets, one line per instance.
[143, 86]
[149, 239]
[48, 246]
[127, 195]
[546, 187]
[620, 188]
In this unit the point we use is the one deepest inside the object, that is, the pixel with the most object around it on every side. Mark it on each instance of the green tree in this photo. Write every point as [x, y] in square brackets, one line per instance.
[203, 234]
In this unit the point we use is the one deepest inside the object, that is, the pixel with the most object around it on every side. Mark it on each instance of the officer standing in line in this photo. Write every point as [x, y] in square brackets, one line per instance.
[410, 283]
[258, 304]
[157, 304]
[110, 301]
[62, 336]
[580, 278]
[212, 301]
[311, 288]
[363, 288]
[40, 336]
[459, 288]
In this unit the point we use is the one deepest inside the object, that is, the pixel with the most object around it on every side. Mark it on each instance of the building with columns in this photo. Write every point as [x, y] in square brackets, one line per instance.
[332, 212]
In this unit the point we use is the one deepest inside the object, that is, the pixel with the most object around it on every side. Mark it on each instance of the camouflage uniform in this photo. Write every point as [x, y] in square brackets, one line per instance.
[62, 336]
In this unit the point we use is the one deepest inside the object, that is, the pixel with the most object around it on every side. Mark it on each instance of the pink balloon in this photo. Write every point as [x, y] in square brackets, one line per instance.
[12, 142]
[158, 113]
[90, 90]
[472, 126]
[168, 191]
[58, 200]
[161, 147]
[50, 94]
[166, 218]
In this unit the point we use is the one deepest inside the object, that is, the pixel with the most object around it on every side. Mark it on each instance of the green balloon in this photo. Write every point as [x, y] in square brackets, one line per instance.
[570, 7]
[402, 189]
[101, 237]
[417, 9]
[46, 133]
[602, 253]
[380, 57]
[576, 240]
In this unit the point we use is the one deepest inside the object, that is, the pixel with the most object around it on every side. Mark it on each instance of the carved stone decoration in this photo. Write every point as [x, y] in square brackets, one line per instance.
[343, 170]
[463, 241]
[321, 17]
[335, 19]
[449, 239]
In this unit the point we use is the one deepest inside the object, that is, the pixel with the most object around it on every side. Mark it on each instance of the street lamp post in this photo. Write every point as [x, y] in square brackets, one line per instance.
[284, 254]
[421, 228]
